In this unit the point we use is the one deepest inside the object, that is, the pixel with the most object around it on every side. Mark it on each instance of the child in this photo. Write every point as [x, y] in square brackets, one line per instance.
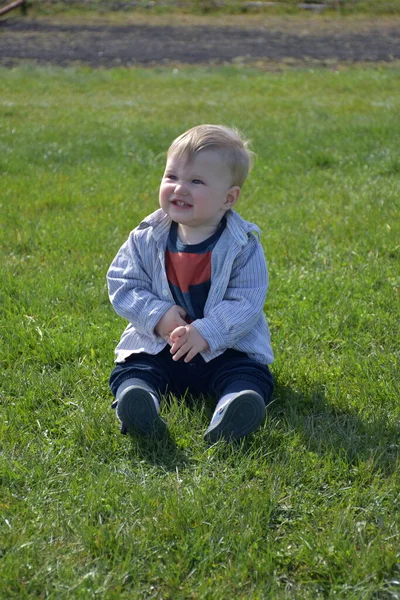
[191, 279]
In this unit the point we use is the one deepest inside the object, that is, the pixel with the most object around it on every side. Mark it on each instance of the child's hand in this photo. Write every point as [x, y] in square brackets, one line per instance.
[173, 318]
[187, 340]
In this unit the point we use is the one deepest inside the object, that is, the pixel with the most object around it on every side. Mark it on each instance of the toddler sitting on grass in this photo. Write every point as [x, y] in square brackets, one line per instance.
[191, 280]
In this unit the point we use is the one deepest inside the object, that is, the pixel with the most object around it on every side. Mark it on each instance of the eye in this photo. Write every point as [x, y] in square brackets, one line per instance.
[170, 176]
[197, 182]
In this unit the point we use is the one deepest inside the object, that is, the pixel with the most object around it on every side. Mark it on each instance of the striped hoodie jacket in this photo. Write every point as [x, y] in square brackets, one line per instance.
[234, 310]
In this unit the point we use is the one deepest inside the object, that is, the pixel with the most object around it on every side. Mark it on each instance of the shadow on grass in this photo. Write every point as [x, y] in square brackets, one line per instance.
[177, 450]
[163, 453]
[321, 427]
[325, 429]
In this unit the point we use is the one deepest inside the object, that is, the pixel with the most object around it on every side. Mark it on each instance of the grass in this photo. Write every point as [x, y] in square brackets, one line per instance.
[289, 15]
[215, 8]
[307, 508]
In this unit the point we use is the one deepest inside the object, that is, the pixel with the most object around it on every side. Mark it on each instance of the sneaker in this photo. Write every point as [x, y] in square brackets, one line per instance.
[137, 411]
[242, 414]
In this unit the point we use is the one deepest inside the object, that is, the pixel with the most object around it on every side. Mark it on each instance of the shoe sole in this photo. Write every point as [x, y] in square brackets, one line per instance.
[243, 416]
[137, 411]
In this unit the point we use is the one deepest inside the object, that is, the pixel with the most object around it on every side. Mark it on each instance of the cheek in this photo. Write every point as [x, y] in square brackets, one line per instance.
[164, 191]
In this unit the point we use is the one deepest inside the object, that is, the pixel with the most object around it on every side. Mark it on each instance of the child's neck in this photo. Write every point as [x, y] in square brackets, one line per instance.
[195, 235]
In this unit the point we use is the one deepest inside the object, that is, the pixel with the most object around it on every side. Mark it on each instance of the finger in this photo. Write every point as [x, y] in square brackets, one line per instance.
[177, 333]
[181, 352]
[177, 354]
[191, 354]
[176, 345]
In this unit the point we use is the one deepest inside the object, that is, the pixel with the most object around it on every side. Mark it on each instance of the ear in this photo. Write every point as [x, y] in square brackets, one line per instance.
[232, 197]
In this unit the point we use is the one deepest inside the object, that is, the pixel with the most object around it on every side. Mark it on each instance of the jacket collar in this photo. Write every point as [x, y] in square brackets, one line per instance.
[235, 224]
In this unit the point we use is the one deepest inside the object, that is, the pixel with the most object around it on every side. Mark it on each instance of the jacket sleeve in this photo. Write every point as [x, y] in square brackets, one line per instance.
[243, 303]
[130, 286]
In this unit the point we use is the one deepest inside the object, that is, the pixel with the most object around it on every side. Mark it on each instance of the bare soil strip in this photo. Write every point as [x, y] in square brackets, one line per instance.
[105, 45]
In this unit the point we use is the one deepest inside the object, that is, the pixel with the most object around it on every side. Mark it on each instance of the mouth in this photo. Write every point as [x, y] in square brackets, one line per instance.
[181, 204]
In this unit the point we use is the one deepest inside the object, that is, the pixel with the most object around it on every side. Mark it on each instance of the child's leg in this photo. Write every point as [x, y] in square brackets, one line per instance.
[244, 388]
[137, 405]
[135, 385]
[237, 414]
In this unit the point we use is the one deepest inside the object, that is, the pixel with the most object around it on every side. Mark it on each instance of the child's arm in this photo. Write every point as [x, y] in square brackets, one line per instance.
[243, 302]
[173, 318]
[130, 284]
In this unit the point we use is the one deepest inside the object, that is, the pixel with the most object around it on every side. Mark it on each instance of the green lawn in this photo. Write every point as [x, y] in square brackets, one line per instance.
[308, 508]
[215, 7]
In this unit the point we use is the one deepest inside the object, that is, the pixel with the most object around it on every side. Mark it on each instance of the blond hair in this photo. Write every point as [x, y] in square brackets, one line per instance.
[233, 148]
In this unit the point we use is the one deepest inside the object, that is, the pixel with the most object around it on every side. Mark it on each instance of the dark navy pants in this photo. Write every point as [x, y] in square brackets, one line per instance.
[232, 371]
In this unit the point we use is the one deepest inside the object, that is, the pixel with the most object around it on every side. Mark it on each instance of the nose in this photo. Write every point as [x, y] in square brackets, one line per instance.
[180, 188]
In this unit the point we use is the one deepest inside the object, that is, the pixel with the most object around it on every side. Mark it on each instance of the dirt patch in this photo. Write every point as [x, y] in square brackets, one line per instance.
[106, 45]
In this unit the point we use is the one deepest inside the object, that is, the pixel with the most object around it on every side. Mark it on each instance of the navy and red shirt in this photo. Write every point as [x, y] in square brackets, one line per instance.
[188, 269]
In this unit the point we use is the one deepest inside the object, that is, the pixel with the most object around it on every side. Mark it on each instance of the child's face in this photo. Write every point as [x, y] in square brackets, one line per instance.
[197, 194]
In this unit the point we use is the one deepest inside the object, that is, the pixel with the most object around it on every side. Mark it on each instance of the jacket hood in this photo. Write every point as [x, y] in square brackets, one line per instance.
[160, 222]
